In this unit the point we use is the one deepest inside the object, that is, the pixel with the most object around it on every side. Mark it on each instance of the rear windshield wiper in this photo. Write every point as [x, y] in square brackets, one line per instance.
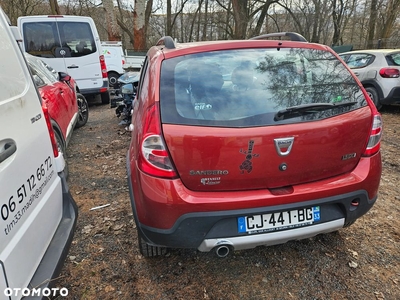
[300, 110]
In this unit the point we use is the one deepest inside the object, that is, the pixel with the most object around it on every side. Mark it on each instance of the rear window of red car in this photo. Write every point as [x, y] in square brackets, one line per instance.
[248, 87]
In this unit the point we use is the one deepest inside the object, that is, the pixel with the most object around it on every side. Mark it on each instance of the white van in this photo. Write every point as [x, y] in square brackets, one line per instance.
[115, 60]
[69, 44]
[37, 212]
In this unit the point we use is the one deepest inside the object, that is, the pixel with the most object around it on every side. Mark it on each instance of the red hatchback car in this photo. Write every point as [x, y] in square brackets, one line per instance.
[67, 108]
[237, 144]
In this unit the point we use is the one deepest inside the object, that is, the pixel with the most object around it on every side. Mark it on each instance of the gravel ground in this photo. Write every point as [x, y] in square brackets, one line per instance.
[359, 262]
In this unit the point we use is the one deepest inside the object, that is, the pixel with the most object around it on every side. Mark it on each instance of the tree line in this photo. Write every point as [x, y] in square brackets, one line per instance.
[140, 23]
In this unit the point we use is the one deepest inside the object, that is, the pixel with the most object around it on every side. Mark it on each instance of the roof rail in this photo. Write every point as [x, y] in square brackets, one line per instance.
[167, 41]
[292, 35]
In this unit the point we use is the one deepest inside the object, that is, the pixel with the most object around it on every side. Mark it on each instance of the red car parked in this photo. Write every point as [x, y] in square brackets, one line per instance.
[67, 108]
[237, 144]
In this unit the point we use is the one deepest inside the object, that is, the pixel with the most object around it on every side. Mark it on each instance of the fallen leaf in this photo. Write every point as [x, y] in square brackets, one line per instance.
[353, 264]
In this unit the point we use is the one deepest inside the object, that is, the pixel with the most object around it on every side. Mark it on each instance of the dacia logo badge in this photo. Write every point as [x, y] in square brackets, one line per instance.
[284, 145]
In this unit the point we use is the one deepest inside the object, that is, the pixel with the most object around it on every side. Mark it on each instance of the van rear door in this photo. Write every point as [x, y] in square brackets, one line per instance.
[67, 43]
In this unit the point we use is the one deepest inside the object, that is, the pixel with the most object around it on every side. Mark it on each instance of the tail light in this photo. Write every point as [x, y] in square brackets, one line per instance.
[154, 158]
[50, 128]
[103, 67]
[123, 62]
[389, 73]
[374, 140]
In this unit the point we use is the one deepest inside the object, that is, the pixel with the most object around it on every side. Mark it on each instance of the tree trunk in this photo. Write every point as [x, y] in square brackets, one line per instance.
[392, 11]
[112, 29]
[240, 14]
[139, 24]
[372, 21]
[55, 9]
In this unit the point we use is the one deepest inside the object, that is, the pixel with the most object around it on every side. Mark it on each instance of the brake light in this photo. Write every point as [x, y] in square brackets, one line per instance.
[374, 140]
[154, 158]
[389, 73]
[103, 66]
[50, 128]
[123, 62]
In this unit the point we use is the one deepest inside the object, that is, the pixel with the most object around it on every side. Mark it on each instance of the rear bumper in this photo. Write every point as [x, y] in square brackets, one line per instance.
[96, 91]
[393, 97]
[207, 230]
[53, 260]
[210, 224]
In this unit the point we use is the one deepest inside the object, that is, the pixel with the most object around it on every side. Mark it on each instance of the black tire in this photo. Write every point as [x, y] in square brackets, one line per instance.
[62, 147]
[113, 78]
[148, 250]
[373, 94]
[83, 110]
[105, 97]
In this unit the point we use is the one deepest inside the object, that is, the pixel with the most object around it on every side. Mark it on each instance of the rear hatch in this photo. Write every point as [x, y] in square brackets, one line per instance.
[261, 118]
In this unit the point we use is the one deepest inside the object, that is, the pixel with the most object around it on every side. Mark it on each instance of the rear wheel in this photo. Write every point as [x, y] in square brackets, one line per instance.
[148, 250]
[83, 110]
[105, 97]
[373, 94]
[113, 78]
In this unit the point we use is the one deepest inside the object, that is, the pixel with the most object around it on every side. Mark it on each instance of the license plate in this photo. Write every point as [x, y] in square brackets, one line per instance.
[279, 220]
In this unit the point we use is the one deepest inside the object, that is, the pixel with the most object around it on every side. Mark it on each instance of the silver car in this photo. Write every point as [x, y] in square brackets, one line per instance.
[379, 72]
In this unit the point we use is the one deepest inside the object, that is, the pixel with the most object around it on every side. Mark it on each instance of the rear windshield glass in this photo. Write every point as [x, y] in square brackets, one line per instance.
[58, 39]
[393, 59]
[254, 87]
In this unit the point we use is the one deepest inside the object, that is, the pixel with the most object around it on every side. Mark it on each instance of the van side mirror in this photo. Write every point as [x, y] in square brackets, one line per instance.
[63, 76]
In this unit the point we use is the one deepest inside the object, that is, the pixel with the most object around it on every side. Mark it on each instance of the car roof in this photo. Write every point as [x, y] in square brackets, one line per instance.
[207, 46]
[372, 51]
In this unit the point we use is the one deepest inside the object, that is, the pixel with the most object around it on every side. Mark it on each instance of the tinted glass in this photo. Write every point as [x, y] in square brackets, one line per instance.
[59, 39]
[359, 60]
[248, 87]
[41, 38]
[393, 59]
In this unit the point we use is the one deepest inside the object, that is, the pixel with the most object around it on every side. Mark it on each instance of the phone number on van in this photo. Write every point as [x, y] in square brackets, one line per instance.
[33, 186]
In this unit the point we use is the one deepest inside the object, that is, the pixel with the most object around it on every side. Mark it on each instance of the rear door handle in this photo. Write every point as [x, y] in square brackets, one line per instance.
[73, 67]
[8, 148]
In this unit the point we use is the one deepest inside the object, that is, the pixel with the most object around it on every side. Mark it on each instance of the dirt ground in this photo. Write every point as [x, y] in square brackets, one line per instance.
[359, 262]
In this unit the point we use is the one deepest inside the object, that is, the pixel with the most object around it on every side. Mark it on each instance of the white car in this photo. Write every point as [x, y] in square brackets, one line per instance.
[379, 72]
[38, 213]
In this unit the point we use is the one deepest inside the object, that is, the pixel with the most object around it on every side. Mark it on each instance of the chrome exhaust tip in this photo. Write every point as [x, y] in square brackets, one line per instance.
[222, 251]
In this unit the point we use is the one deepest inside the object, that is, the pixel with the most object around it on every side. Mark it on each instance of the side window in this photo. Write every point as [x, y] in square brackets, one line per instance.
[78, 38]
[359, 60]
[41, 39]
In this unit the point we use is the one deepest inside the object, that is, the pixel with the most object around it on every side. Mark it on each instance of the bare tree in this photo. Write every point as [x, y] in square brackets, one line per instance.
[372, 23]
[389, 15]
[55, 9]
[112, 25]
